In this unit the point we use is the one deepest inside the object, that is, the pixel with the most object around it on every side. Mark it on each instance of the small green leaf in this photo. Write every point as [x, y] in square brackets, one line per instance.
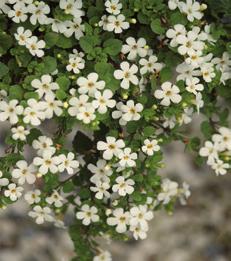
[157, 27]
[3, 70]
[112, 46]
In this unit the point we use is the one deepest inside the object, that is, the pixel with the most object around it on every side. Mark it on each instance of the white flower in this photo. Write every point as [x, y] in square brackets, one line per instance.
[13, 192]
[223, 63]
[220, 167]
[72, 7]
[224, 138]
[192, 9]
[51, 106]
[101, 171]
[68, 163]
[110, 147]
[169, 189]
[87, 214]
[10, 111]
[86, 114]
[173, 4]
[34, 113]
[140, 215]
[113, 6]
[189, 43]
[48, 162]
[174, 32]
[75, 27]
[117, 23]
[138, 232]
[34, 45]
[75, 64]
[127, 158]
[58, 26]
[104, 22]
[39, 12]
[18, 13]
[168, 94]
[101, 189]
[150, 65]
[120, 220]
[103, 100]
[150, 146]
[131, 111]
[41, 214]
[3, 181]
[44, 86]
[186, 116]
[193, 85]
[210, 150]
[134, 48]
[207, 71]
[186, 71]
[55, 199]
[77, 103]
[123, 187]
[3, 7]
[42, 144]
[33, 196]
[90, 84]
[184, 193]
[105, 255]
[127, 75]
[22, 35]
[20, 1]
[24, 173]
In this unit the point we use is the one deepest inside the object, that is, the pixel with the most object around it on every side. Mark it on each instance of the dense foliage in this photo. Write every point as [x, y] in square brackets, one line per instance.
[118, 78]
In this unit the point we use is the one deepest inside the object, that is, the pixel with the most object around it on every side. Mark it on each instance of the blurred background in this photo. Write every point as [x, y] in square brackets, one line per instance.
[199, 231]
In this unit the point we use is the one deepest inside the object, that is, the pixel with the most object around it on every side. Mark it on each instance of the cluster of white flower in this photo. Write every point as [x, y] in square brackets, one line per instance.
[32, 43]
[193, 9]
[217, 150]
[90, 99]
[114, 22]
[136, 219]
[170, 190]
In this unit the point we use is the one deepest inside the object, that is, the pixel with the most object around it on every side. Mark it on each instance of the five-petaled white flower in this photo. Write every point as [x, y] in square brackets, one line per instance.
[134, 48]
[13, 192]
[103, 100]
[127, 75]
[68, 163]
[168, 94]
[117, 23]
[24, 173]
[10, 111]
[127, 158]
[35, 46]
[87, 214]
[90, 84]
[111, 147]
[150, 146]
[113, 6]
[120, 219]
[41, 214]
[123, 187]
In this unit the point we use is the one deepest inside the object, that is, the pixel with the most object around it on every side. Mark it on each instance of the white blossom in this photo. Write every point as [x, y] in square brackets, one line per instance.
[87, 214]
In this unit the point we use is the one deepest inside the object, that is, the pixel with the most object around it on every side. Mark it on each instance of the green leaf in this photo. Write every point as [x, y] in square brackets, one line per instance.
[3, 70]
[112, 46]
[206, 129]
[31, 95]
[51, 39]
[178, 18]
[148, 131]
[16, 92]
[88, 43]
[5, 42]
[64, 42]
[61, 94]
[165, 74]
[157, 27]
[63, 82]
[48, 65]
[68, 187]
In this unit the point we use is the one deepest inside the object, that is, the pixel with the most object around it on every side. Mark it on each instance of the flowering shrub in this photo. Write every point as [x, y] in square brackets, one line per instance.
[119, 78]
